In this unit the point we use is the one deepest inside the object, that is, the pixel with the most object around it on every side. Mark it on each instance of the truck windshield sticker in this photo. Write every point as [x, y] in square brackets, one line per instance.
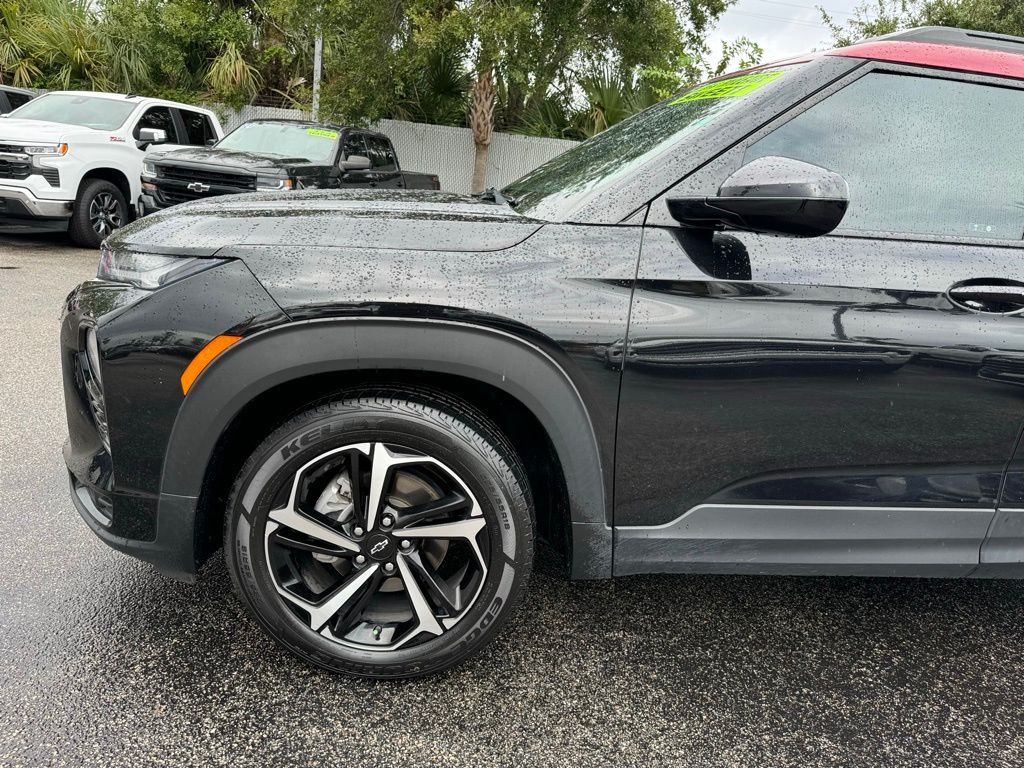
[322, 132]
[734, 86]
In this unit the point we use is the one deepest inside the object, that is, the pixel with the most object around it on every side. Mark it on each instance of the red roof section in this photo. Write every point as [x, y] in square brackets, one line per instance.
[983, 61]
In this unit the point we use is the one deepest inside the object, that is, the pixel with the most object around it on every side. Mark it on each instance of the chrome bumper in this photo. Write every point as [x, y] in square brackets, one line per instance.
[22, 203]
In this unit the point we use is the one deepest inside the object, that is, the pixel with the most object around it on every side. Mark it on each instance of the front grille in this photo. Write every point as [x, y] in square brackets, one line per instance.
[175, 196]
[92, 384]
[14, 170]
[52, 176]
[14, 148]
[212, 178]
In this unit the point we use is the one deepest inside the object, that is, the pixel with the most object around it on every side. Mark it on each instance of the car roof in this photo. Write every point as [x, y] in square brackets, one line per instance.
[963, 50]
[12, 89]
[134, 99]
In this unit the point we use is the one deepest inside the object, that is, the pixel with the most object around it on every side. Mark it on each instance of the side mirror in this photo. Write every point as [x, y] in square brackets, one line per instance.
[211, 142]
[355, 163]
[150, 136]
[771, 195]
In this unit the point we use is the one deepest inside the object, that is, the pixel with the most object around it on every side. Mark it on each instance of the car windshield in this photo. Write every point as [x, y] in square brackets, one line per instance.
[551, 190]
[77, 109]
[316, 144]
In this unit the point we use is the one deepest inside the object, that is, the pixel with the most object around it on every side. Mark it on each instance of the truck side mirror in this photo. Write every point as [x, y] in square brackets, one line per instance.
[355, 163]
[771, 195]
[150, 136]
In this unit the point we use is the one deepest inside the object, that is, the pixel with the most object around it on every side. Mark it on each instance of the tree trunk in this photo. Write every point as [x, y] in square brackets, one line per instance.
[480, 167]
[481, 120]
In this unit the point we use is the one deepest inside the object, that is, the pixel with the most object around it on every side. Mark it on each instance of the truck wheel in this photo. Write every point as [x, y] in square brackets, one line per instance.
[387, 534]
[99, 210]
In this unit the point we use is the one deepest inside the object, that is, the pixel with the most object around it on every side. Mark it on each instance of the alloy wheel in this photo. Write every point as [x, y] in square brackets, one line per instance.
[376, 547]
[105, 214]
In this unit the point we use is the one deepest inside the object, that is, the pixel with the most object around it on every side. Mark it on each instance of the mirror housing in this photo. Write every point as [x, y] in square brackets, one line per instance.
[151, 136]
[770, 195]
[355, 163]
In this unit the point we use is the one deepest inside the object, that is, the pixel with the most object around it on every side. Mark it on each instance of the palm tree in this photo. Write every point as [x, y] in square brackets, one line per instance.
[481, 120]
[231, 74]
[438, 92]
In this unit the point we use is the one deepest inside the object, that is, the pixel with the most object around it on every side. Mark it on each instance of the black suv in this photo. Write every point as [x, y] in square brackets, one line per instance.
[774, 324]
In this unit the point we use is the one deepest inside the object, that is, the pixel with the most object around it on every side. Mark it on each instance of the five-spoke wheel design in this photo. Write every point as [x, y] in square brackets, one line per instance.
[376, 546]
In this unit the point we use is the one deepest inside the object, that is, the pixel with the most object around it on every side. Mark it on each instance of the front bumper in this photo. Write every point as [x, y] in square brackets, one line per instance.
[122, 354]
[20, 203]
[146, 205]
[172, 554]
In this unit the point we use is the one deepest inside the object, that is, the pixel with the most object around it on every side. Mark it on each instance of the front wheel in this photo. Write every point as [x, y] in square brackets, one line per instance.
[383, 535]
[99, 210]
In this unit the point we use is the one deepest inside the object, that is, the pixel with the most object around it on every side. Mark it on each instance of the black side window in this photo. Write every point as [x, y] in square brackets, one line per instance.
[198, 128]
[383, 158]
[17, 99]
[159, 118]
[919, 154]
[354, 145]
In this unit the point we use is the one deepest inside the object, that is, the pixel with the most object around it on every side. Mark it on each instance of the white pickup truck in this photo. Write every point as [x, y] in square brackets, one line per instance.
[73, 159]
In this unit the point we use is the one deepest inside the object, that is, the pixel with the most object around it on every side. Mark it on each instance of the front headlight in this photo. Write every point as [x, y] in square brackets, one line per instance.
[148, 169]
[149, 271]
[46, 149]
[270, 183]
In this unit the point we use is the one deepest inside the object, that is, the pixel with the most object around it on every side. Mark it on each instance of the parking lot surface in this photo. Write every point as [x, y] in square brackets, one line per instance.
[103, 662]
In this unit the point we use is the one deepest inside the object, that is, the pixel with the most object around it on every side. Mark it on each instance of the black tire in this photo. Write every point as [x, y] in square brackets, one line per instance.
[470, 451]
[94, 195]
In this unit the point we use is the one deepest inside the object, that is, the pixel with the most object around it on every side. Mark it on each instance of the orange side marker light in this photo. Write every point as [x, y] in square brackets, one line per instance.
[206, 355]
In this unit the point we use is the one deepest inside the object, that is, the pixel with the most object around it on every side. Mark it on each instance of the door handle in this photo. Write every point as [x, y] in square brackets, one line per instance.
[992, 295]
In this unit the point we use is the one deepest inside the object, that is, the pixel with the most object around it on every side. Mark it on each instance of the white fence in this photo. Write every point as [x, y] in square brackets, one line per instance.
[442, 149]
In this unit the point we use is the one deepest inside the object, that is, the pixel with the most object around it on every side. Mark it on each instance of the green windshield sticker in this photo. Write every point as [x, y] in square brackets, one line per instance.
[727, 89]
[323, 133]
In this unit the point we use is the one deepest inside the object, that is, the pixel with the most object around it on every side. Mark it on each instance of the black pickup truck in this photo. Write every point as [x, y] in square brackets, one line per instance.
[273, 155]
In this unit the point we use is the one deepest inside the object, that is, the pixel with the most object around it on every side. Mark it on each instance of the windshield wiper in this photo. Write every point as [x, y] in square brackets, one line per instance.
[494, 194]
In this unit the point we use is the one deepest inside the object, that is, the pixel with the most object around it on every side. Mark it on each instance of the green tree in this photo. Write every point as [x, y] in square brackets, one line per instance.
[884, 16]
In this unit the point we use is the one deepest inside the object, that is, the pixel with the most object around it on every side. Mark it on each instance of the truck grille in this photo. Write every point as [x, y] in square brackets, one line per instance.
[174, 196]
[14, 170]
[212, 178]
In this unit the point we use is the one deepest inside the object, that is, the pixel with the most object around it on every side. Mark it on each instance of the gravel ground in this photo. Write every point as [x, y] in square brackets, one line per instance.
[102, 662]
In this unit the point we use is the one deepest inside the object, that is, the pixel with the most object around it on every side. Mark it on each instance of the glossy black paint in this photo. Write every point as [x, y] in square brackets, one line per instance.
[717, 369]
[147, 338]
[838, 372]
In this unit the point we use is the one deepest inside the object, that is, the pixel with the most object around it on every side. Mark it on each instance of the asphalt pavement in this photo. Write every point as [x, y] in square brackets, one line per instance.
[103, 662]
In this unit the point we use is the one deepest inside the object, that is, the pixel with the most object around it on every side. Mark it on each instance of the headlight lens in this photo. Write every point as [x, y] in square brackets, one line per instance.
[46, 149]
[269, 183]
[149, 271]
[148, 169]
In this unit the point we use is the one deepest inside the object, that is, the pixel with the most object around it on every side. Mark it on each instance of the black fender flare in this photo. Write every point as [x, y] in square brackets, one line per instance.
[508, 362]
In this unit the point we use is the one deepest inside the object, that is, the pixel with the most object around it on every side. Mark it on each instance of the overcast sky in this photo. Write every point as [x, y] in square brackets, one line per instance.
[783, 28]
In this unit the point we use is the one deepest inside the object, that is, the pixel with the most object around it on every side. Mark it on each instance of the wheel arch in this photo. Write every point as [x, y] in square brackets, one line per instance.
[116, 177]
[422, 350]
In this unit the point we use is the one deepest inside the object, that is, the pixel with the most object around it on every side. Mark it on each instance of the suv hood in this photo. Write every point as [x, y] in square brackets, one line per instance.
[365, 218]
[247, 163]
